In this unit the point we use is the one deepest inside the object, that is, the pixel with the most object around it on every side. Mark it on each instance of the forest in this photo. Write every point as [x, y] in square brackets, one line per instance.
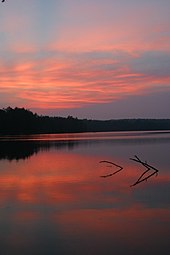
[22, 121]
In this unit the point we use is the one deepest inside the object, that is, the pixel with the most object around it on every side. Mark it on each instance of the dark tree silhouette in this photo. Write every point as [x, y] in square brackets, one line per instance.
[23, 121]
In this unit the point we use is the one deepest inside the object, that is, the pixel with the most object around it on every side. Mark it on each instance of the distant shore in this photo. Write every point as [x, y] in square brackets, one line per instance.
[22, 121]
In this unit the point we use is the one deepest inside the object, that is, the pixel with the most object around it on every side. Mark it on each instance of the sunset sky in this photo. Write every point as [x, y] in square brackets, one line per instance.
[98, 59]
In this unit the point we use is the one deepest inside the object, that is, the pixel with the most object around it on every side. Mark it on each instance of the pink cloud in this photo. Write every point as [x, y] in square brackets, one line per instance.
[87, 78]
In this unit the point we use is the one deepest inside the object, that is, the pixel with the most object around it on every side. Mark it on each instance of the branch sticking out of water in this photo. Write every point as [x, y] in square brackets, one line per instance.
[148, 167]
[109, 162]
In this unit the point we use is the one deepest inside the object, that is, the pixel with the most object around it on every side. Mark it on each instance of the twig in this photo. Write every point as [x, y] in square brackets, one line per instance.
[144, 179]
[149, 168]
[109, 162]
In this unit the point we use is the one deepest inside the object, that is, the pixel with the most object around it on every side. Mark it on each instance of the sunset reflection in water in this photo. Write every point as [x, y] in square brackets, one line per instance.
[55, 202]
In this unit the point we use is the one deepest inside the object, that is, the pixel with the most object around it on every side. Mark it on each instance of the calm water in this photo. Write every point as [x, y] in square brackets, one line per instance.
[53, 199]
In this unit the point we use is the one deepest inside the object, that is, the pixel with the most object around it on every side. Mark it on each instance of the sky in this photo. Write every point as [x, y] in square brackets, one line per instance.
[95, 59]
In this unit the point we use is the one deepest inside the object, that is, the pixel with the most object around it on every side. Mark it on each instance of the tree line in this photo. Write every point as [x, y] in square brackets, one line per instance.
[22, 121]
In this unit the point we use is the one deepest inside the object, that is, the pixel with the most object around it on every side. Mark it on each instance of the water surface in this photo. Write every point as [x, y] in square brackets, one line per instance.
[53, 200]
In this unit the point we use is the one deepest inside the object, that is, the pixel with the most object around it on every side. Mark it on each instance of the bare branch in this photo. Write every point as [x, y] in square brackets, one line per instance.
[109, 162]
[149, 168]
[144, 179]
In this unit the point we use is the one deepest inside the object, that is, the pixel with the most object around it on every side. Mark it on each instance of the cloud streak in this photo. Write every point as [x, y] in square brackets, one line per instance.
[75, 54]
[86, 78]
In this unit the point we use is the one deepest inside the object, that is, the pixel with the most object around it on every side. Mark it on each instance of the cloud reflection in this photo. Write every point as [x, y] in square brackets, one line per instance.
[56, 197]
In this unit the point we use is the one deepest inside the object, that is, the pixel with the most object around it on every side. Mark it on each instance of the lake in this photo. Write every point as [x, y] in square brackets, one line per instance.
[57, 197]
